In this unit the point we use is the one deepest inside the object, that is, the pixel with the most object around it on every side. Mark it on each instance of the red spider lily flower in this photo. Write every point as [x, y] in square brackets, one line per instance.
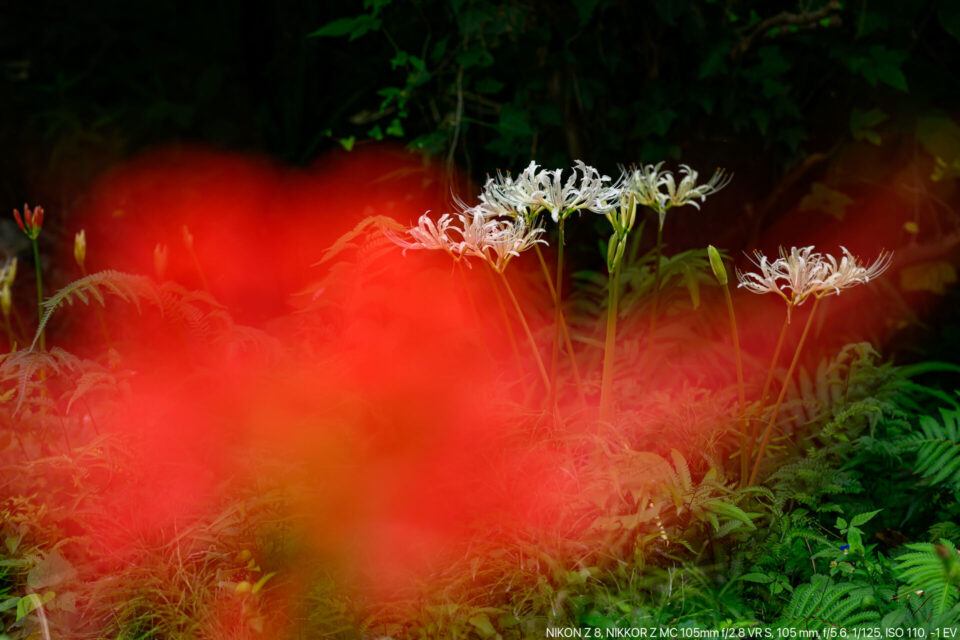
[31, 222]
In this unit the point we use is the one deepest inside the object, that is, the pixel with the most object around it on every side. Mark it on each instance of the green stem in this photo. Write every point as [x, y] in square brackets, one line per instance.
[557, 300]
[656, 279]
[740, 392]
[755, 421]
[606, 384]
[526, 328]
[36, 264]
[783, 392]
[568, 344]
[506, 320]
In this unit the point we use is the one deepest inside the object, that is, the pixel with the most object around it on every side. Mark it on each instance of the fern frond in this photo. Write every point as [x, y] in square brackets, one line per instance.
[129, 287]
[938, 448]
[821, 603]
[934, 570]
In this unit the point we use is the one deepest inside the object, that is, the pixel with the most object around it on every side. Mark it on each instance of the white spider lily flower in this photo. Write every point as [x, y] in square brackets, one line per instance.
[849, 271]
[794, 276]
[429, 235]
[804, 272]
[584, 189]
[512, 197]
[501, 240]
[688, 190]
[644, 183]
[475, 231]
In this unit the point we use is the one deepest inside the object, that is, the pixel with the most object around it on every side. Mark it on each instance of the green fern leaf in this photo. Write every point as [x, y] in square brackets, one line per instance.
[934, 570]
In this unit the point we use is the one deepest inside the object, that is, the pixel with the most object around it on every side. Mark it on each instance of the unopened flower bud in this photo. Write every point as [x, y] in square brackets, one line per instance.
[9, 273]
[80, 248]
[160, 260]
[6, 300]
[716, 263]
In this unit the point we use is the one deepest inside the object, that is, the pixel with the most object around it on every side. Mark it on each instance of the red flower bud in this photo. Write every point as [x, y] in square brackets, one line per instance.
[37, 218]
[16, 216]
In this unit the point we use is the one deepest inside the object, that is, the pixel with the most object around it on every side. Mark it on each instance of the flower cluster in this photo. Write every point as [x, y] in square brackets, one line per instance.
[659, 190]
[536, 190]
[803, 272]
[478, 235]
[505, 222]
[31, 222]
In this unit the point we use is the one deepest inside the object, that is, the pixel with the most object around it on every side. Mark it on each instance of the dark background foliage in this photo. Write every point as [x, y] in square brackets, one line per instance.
[814, 105]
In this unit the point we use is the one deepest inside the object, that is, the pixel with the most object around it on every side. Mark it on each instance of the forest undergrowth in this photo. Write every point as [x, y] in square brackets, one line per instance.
[619, 459]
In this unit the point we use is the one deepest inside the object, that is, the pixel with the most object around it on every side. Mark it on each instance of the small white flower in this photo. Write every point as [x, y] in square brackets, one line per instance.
[659, 190]
[793, 276]
[802, 273]
[500, 240]
[644, 183]
[506, 196]
[688, 190]
[849, 272]
[429, 235]
[536, 190]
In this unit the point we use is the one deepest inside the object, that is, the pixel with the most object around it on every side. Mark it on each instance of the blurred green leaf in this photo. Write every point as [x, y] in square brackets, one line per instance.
[354, 27]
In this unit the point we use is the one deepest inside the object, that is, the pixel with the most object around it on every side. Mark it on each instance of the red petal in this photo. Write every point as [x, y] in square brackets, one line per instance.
[16, 215]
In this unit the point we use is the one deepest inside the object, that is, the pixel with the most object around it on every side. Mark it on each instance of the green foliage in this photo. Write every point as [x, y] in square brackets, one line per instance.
[822, 604]
[480, 84]
[937, 449]
[932, 571]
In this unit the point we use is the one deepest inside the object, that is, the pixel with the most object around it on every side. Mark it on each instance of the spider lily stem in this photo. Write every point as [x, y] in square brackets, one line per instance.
[783, 392]
[563, 324]
[656, 278]
[526, 328]
[557, 298]
[740, 393]
[763, 398]
[606, 385]
[506, 319]
[36, 264]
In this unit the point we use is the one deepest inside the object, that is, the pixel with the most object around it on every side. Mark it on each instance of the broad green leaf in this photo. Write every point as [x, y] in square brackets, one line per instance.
[830, 201]
[862, 124]
[585, 9]
[28, 604]
[760, 578]
[395, 128]
[488, 85]
[863, 518]
[354, 27]
[483, 626]
[948, 15]
[50, 571]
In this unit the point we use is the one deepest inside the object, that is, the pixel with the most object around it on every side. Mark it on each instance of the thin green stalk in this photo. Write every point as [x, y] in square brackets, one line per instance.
[741, 396]
[783, 392]
[606, 384]
[466, 290]
[557, 299]
[568, 344]
[656, 279]
[526, 328]
[506, 319]
[36, 264]
[754, 423]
